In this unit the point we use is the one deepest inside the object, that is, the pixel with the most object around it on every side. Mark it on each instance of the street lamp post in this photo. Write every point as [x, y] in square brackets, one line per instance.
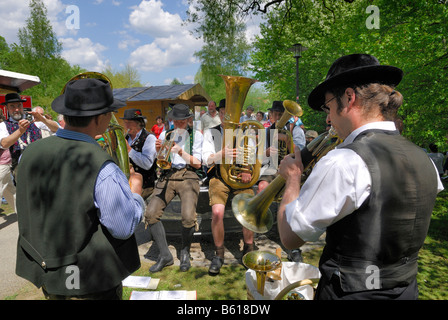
[297, 49]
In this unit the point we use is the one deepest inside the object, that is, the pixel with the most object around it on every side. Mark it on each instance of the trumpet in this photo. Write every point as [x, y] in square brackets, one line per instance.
[253, 211]
[164, 155]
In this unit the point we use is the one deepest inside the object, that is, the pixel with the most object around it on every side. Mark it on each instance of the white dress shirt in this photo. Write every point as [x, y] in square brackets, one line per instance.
[183, 141]
[338, 185]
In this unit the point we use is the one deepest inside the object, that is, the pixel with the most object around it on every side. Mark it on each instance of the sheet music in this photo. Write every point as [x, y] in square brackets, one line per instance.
[136, 282]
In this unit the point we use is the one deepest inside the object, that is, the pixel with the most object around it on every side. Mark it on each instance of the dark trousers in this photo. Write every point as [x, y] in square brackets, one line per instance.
[331, 290]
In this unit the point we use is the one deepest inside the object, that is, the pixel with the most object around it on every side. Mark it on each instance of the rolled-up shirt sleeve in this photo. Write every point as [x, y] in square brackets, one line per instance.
[120, 210]
[339, 184]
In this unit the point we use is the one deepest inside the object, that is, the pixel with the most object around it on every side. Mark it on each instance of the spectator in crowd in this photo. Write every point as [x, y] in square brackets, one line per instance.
[159, 127]
[249, 115]
[211, 118]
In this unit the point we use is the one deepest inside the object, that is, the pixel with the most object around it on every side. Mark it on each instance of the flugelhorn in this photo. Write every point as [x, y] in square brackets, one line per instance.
[164, 154]
[115, 141]
[238, 136]
[253, 211]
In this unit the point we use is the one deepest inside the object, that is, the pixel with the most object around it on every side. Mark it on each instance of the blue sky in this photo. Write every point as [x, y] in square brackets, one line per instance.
[147, 34]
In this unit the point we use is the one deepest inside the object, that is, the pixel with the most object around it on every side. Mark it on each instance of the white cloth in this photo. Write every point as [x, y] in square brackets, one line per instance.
[44, 130]
[338, 185]
[183, 141]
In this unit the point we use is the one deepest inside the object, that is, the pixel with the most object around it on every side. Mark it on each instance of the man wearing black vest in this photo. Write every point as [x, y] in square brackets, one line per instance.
[77, 212]
[141, 148]
[373, 195]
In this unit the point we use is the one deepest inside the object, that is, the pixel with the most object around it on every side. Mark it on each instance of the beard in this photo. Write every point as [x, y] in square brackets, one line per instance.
[17, 116]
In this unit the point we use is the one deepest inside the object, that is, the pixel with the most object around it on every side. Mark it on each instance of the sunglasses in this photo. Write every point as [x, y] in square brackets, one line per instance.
[326, 108]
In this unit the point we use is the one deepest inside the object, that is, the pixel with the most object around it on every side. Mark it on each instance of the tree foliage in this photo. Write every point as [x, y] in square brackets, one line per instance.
[38, 53]
[226, 50]
[411, 35]
[126, 78]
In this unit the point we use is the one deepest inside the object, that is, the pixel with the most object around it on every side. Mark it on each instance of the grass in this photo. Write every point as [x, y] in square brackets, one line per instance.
[230, 283]
[433, 258]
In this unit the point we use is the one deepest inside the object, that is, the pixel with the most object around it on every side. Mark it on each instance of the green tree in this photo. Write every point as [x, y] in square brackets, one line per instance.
[176, 82]
[37, 39]
[411, 35]
[126, 78]
[38, 53]
[226, 50]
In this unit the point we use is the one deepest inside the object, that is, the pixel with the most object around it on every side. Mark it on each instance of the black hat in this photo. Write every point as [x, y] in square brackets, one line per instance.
[180, 111]
[222, 104]
[12, 97]
[277, 106]
[133, 114]
[354, 69]
[86, 97]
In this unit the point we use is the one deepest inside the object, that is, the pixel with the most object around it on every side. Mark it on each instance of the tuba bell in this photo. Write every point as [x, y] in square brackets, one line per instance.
[253, 211]
[114, 139]
[239, 135]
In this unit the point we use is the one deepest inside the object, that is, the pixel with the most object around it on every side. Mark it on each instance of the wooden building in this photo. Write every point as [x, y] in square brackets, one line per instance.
[158, 100]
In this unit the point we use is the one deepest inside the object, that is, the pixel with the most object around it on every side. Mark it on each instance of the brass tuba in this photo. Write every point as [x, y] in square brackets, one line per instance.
[238, 136]
[253, 211]
[114, 138]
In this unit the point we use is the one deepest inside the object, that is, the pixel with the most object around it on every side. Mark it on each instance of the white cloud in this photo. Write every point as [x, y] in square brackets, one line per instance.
[149, 18]
[173, 51]
[172, 46]
[85, 53]
[15, 13]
